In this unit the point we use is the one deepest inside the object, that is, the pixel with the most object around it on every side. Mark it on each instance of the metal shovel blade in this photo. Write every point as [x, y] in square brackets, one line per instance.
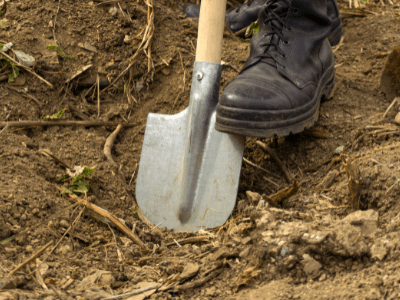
[189, 172]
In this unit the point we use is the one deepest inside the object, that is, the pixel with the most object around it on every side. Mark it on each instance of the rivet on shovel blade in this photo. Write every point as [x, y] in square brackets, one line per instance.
[199, 76]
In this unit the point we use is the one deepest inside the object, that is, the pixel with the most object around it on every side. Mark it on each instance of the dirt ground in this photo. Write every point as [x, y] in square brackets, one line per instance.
[336, 238]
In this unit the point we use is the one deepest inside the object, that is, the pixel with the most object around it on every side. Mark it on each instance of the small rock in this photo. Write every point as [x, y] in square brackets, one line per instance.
[106, 279]
[397, 118]
[284, 250]
[165, 71]
[246, 240]
[51, 24]
[91, 3]
[311, 265]
[245, 253]
[253, 197]
[323, 277]
[113, 11]
[35, 211]
[64, 224]
[29, 249]
[190, 270]
[65, 249]
[339, 150]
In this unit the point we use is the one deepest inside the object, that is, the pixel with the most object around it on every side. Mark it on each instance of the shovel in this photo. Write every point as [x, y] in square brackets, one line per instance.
[189, 172]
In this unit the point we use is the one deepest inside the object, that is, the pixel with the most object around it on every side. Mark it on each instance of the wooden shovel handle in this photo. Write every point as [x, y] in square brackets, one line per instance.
[211, 29]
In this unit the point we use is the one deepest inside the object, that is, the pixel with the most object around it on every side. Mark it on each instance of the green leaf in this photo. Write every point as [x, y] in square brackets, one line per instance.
[62, 178]
[65, 191]
[254, 28]
[54, 117]
[60, 51]
[6, 240]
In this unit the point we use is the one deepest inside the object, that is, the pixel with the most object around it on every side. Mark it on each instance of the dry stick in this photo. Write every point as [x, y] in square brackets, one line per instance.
[147, 222]
[241, 31]
[5, 128]
[116, 244]
[108, 216]
[29, 260]
[98, 95]
[277, 160]
[109, 144]
[233, 36]
[54, 25]
[196, 239]
[62, 123]
[390, 107]
[258, 167]
[199, 282]
[46, 153]
[27, 69]
[156, 286]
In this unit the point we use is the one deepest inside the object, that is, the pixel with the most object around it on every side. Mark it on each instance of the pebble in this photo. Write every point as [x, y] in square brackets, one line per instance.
[29, 249]
[113, 11]
[64, 223]
[323, 277]
[397, 118]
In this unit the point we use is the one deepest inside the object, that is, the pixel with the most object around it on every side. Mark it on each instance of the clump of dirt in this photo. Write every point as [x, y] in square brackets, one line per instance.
[337, 237]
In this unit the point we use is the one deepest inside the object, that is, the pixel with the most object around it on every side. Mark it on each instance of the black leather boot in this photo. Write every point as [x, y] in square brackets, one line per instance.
[243, 15]
[290, 67]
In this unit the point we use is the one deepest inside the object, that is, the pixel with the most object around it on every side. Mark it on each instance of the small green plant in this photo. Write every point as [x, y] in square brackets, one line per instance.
[254, 28]
[15, 71]
[135, 213]
[1, 12]
[60, 51]
[80, 184]
[54, 117]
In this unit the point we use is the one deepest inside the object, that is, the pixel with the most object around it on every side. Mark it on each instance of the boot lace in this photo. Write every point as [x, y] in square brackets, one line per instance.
[276, 23]
[246, 4]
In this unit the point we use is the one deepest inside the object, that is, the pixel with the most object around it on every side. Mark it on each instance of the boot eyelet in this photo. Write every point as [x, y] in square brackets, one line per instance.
[286, 43]
[289, 29]
[295, 11]
[283, 55]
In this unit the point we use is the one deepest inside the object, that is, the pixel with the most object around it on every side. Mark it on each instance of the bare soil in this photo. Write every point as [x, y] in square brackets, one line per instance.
[328, 241]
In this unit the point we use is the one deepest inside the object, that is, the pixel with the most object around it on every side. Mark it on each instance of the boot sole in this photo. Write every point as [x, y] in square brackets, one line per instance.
[279, 128]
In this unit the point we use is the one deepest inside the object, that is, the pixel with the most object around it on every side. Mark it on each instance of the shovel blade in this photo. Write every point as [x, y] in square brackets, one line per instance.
[189, 173]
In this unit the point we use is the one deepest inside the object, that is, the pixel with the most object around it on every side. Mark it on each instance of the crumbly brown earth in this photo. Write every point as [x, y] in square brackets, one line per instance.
[328, 241]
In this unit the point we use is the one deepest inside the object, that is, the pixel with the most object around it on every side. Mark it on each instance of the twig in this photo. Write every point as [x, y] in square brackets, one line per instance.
[98, 95]
[133, 174]
[233, 36]
[199, 282]
[155, 227]
[54, 25]
[47, 153]
[62, 123]
[109, 144]
[388, 147]
[55, 291]
[27, 69]
[5, 128]
[105, 214]
[147, 222]
[116, 244]
[29, 260]
[177, 243]
[390, 107]
[277, 160]
[156, 286]
[258, 167]
[196, 239]
[270, 181]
